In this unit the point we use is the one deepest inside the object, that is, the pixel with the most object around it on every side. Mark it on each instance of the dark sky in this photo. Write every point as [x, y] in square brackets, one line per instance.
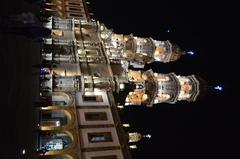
[207, 128]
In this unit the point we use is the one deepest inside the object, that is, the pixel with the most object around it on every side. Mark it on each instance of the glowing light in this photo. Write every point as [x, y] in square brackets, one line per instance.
[101, 28]
[44, 108]
[168, 30]
[121, 86]
[148, 136]
[133, 146]
[79, 51]
[23, 151]
[190, 53]
[126, 125]
[114, 43]
[120, 106]
[57, 123]
[89, 93]
[219, 88]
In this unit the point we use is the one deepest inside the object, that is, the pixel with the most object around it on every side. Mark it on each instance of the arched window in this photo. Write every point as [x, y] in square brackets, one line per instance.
[163, 97]
[161, 77]
[183, 80]
[52, 141]
[60, 99]
[136, 98]
[186, 87]
[54, 118]
[183, 95]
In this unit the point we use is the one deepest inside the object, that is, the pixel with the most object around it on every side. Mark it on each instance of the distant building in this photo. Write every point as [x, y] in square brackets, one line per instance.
[90, 79]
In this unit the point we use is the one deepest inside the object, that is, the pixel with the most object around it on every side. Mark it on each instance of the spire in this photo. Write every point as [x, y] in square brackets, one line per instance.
[138, 50]
[151, 88]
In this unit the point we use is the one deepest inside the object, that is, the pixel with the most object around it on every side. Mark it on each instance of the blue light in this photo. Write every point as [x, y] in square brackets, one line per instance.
[190, 53]
[219, 88]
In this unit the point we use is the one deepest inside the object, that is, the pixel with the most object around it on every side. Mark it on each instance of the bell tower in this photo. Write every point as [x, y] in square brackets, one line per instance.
[151, 88]
[138, 50]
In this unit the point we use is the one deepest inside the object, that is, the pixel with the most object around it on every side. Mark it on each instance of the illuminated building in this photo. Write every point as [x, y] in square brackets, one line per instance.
[90, 65]
[151, 88]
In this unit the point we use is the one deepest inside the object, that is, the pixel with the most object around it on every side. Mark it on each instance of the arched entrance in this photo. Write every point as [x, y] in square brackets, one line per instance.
[53, 141]
[54, 118]
[61, 99]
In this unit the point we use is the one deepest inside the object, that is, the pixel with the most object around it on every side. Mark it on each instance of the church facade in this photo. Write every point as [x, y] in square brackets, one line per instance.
[90, 77]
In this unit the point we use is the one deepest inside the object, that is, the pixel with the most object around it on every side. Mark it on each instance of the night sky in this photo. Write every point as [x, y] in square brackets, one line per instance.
[204, 129]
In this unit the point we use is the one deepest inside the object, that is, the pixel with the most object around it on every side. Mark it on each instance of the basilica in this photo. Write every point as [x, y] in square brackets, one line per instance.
[93, 73]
